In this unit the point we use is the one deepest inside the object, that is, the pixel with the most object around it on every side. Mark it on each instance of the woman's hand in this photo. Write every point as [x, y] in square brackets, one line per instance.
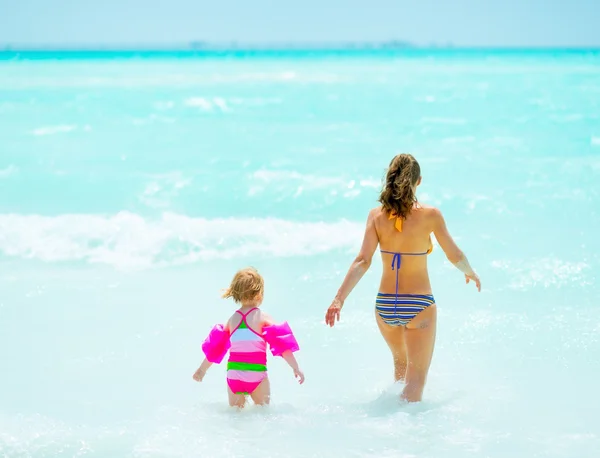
[475, 278]
[333, 312]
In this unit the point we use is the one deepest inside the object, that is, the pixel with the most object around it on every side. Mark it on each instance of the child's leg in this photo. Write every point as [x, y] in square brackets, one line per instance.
[262, 394]
[236, 400]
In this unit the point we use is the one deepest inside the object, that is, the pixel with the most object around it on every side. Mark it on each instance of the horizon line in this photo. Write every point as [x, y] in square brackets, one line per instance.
[233, 45]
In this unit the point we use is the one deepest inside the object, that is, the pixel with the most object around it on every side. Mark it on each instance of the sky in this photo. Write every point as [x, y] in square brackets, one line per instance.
[551, 23]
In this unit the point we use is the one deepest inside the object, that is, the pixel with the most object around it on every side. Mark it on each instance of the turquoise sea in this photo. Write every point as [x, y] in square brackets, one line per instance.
[134, 184]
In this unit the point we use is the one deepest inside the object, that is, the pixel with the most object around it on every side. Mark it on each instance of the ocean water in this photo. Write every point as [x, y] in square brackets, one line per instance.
[133, 186]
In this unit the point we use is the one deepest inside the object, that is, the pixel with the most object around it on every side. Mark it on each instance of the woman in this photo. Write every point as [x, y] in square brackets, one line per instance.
[405, 309]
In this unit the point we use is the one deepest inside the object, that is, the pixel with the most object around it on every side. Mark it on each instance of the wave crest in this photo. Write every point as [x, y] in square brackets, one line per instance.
[52, 130]
[129, 241]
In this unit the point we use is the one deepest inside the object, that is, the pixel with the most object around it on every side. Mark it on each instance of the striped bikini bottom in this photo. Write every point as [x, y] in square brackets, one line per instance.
[400, 309]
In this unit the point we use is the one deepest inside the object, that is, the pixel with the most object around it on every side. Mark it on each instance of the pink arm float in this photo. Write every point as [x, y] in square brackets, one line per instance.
[280, 338]
[216, 344]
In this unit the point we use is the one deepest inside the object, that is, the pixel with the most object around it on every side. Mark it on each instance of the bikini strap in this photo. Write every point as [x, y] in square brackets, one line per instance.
[243, 320]
[396, 263]
[245, 315]
[399, 253]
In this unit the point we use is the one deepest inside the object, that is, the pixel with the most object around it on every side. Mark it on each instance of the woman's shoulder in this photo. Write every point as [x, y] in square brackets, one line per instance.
[377, 212]
[429, 210]
[431, 215]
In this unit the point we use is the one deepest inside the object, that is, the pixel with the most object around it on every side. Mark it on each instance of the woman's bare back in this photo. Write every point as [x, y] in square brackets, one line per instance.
[415, 237]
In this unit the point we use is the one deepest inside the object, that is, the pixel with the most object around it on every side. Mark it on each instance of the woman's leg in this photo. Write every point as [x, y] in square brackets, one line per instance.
[420, 340]
[262, 394]
[394, 337]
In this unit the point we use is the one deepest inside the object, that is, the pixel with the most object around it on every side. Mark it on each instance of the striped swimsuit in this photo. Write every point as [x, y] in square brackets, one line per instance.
[247, 365]
[400, 309]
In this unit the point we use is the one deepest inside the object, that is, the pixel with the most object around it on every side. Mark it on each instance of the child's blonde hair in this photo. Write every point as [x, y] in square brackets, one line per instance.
[246, 285]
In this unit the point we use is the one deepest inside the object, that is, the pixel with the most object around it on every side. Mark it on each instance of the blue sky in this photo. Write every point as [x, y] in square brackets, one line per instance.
[461, 22]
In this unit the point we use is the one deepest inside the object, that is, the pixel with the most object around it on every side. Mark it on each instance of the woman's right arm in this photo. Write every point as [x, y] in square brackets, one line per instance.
[357, 269]
[451, 249]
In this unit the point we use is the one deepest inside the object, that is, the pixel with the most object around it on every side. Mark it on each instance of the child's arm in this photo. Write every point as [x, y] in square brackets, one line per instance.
[283, 343]
[201, 372]
[215, 346]
[291, 360]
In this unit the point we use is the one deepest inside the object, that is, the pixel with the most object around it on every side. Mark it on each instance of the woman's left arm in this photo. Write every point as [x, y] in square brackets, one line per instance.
[358, 268]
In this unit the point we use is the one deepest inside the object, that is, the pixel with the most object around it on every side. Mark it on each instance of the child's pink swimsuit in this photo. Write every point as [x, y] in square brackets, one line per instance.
[247, 365]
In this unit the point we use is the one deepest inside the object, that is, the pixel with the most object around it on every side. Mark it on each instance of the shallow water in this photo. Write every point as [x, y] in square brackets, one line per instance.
[134, 188]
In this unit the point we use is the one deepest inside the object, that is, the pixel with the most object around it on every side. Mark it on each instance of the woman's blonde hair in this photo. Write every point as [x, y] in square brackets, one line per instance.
[247, 285]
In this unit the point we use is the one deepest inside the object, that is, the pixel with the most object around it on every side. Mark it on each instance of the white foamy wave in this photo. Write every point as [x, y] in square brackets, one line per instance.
[219, 103]
[546, 272]
[35, 434]
[299, 182]
[208, 104]
[448, 121]
[153, 118]
[475, 200]
[255, 101]
[370, 183]
[8, 171]
[51, 130]
[161, 79]
[279, 77]
[312, 181]
[162, 188]
[199, 102]
[127, 240]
